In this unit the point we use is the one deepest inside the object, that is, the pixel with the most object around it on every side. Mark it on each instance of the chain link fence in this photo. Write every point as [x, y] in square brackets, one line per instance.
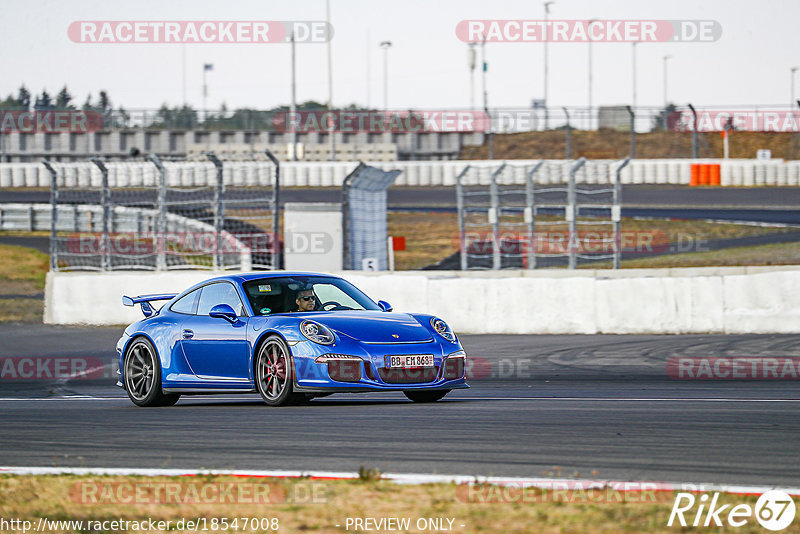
[503, 225]
[159, 215]
[365, 224]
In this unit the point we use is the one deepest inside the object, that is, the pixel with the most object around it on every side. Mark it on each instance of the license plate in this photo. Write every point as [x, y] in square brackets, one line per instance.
[416, 360]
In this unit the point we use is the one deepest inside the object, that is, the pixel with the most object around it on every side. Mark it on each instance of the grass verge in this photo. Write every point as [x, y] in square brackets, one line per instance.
[776, 254]
[21, 310]
[305, 505]
[22, 264]
[22, 272]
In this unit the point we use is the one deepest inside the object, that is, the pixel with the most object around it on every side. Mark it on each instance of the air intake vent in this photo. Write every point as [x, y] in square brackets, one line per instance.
[344, 370]
[454, 368]
[417, 375]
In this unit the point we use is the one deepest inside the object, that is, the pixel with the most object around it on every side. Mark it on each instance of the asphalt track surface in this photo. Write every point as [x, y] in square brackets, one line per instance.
[588, 406]
[632, 195]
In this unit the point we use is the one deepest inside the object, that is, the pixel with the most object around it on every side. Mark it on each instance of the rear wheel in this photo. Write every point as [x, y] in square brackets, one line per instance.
[274, 373]
[426, 396]
[143, 376]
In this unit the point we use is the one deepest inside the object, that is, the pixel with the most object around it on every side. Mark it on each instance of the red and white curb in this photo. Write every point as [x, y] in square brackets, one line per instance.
[561, 484]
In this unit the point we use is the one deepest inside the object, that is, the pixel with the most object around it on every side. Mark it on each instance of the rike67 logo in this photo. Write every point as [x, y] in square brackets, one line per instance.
[774, 510]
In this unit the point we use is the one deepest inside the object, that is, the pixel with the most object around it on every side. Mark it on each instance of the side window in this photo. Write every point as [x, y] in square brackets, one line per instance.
[329, 292]
[185, 304]
[219, 293]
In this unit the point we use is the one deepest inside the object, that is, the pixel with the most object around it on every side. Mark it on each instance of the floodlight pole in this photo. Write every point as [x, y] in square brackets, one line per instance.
[546, 38]
[332, 129]
[293, 109]
[386, 45]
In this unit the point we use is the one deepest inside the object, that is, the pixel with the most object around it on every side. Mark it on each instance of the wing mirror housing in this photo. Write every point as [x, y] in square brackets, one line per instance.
[385, 306]
[223, 311]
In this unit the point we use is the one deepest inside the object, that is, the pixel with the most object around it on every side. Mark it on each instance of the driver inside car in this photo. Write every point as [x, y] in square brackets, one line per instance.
[305, 300]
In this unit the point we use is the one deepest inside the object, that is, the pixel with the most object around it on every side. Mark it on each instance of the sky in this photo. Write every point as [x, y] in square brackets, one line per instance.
[427, 64]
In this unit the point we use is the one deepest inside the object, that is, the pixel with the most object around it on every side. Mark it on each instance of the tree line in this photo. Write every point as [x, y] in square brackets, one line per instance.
[166, 117]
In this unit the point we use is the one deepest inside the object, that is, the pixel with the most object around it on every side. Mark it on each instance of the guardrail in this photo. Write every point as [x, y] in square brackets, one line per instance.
[85, 218]
[733, 172]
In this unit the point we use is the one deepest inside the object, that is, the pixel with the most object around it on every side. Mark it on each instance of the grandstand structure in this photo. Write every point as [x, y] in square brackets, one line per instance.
[179, 144]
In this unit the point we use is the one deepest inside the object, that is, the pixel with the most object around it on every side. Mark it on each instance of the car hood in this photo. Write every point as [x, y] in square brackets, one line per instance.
[373, 326]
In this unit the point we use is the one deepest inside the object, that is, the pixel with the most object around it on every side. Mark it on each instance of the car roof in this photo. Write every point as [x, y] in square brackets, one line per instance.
[245, 277]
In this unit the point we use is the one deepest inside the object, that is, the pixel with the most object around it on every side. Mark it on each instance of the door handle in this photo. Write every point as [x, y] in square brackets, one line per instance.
[188, 334]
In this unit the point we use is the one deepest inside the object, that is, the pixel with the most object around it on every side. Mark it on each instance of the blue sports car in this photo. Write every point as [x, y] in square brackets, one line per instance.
[288, 336]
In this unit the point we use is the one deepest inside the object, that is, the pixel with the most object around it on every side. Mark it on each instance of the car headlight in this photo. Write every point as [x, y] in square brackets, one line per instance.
[443, 330]
[317, 333]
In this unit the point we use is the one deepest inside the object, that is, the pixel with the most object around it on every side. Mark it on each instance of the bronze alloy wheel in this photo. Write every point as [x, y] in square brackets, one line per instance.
[143, 376]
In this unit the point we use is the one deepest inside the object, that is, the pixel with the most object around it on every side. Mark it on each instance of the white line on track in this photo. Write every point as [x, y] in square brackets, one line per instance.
[413, 478]
[633, 399]
[579, 399]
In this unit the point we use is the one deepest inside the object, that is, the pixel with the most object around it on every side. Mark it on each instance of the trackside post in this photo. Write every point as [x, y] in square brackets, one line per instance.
[161, 258]
[616, 212]
[219, 209]
[53, 214]
[104, 194]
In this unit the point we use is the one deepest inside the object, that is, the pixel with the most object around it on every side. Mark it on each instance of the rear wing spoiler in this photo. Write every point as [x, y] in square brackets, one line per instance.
[145, 301]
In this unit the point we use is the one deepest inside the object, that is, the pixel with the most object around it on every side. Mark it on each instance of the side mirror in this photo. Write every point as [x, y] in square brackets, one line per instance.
[385, 306]
[223, 311]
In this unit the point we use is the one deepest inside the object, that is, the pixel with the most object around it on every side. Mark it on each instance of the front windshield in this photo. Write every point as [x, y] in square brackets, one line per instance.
[294, 294]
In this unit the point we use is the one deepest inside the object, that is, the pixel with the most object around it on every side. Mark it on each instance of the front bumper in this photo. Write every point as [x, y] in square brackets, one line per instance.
[366, 367]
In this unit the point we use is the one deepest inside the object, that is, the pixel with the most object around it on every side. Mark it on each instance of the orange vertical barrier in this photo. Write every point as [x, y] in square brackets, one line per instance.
[715, 174]
[703, 174]
[694, 174]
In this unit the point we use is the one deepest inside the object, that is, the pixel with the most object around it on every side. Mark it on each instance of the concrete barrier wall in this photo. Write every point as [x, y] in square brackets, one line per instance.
[733, 172]
[662, 301]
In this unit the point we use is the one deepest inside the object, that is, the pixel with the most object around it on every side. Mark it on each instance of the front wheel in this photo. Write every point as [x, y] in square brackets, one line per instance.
[143, 376]
[274, 373]
[426, 395]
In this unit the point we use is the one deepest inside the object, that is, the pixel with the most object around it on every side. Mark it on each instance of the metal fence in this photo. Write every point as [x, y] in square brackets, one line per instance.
[503, 226]
[504, 119]
[158, 225]
[364, 213]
